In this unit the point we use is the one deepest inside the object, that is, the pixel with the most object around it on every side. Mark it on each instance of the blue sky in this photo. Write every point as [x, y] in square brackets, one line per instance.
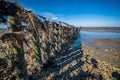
[99, 13]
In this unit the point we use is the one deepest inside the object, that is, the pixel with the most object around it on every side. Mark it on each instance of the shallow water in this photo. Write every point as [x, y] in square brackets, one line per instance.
[87, 36]
[93, 35]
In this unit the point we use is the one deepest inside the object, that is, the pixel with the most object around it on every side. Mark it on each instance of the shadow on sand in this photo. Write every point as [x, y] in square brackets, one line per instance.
[116, 75]
[68, 61]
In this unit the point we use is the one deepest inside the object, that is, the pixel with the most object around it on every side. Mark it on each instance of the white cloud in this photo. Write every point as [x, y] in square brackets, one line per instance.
[50, 15]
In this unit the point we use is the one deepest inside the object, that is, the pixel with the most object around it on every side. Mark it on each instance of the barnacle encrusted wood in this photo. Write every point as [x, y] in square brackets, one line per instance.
[32, 42]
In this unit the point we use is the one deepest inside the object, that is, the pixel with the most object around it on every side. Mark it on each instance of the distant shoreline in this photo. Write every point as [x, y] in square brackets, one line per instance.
[107, 29]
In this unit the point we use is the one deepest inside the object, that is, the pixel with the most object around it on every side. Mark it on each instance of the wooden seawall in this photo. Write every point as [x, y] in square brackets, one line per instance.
[32, 42]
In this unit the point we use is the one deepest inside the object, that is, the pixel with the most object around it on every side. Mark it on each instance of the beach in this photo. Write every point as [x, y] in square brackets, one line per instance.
[102, 44]
[105, 49]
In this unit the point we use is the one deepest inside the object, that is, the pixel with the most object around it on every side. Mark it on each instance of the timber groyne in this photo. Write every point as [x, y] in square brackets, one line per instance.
[31, 43]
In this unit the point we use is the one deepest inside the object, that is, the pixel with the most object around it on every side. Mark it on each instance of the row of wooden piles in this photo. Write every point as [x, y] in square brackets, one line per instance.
[31, 43]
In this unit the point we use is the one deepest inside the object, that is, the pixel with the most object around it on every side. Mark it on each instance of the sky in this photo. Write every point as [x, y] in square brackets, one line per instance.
[85, 13]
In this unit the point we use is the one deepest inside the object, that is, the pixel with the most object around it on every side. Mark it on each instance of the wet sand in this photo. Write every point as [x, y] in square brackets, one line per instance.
[106, 49]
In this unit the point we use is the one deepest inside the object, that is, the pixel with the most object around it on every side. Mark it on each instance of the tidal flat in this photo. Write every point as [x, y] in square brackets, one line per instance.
[102, 43]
